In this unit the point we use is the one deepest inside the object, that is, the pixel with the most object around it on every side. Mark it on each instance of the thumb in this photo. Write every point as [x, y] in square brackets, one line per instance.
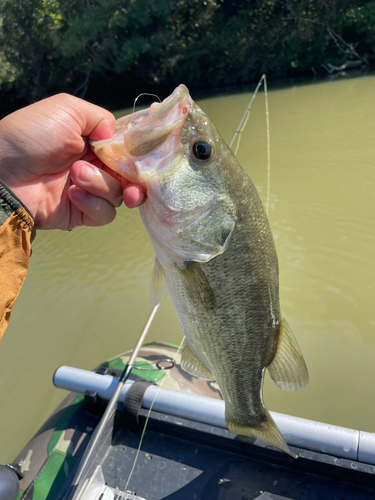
[95, 122]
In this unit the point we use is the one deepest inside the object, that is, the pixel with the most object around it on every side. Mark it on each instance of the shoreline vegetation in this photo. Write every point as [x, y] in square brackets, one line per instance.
[108, 51]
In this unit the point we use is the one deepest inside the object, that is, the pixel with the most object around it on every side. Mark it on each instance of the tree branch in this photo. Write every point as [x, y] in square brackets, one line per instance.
[84, 86]
[336, 38]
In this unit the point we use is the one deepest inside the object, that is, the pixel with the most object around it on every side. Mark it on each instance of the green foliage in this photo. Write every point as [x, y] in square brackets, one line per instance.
[26, 33]
[360, 23]
[8, 72]
[78, 45]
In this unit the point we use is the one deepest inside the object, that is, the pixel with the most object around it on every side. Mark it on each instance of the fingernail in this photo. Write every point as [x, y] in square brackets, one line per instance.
[141, 199]
[86, 174]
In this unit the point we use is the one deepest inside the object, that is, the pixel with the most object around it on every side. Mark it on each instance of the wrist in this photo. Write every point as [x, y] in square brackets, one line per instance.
[6, 175]
[8, 196]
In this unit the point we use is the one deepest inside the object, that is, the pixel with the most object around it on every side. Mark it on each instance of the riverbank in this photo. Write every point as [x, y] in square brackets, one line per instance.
[109, 53]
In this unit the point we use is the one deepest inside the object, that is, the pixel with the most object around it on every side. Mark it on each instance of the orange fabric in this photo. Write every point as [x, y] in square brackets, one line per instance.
[16, 235]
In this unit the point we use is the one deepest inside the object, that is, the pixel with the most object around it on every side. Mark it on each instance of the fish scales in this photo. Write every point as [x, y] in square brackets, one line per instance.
[242, 330]
[214, 254]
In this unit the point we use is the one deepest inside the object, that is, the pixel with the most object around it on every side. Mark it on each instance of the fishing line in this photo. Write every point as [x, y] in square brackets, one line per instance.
[268, 144]
[140, 95]
[242, 125]
[149, 413]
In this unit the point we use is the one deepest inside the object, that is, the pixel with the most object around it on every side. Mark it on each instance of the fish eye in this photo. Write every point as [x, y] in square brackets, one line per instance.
[202, 150]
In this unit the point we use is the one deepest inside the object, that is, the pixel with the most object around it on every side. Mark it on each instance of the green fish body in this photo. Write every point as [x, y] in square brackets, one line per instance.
[214, 254]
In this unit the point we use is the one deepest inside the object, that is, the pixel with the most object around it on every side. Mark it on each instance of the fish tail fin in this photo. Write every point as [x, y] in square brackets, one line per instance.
[267, 431]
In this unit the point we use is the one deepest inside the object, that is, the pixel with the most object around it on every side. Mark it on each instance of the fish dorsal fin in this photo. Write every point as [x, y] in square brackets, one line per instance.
[193, 365]
[288, 368]
[197, 287]
[158, 285]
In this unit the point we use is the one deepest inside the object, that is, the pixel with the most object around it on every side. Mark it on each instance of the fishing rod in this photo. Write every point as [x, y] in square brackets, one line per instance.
[108, 412]
[239, 129]
[242, 125]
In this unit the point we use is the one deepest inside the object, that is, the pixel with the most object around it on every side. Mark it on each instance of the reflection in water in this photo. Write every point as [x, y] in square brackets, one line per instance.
[86, 295]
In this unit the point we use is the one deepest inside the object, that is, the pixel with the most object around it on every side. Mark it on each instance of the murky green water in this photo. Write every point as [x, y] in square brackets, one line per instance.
[86, 295]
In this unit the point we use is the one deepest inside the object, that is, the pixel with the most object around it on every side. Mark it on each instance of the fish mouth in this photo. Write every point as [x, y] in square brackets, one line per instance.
[142, 133]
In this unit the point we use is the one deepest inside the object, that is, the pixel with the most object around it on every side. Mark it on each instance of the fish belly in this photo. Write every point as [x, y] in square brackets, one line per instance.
[232, 321]
[233, 338]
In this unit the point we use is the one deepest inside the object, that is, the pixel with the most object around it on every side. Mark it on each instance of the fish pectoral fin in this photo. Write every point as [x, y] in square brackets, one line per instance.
[288, 369]
[267, 431]
[158, 285]
[197, 287]
[193, 365]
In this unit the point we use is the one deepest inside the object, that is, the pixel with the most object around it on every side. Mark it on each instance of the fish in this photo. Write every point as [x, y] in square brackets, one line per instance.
[214, 254]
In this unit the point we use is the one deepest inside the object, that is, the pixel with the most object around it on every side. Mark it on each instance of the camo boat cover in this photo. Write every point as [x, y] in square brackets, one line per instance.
[50, 456]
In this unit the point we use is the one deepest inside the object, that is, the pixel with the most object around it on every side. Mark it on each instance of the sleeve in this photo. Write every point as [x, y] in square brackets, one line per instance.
[17, 231]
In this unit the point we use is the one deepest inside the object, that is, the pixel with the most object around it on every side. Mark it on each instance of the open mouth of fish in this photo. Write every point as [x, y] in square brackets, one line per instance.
[143, 133]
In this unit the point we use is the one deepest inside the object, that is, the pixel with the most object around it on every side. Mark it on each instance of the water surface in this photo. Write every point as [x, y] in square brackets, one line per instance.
[85, 298]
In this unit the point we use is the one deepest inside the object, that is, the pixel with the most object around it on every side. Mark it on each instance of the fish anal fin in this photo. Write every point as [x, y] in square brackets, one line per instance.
[288, 368]
[197, 287]
[267, 431]
[158, 285]
[193, 365]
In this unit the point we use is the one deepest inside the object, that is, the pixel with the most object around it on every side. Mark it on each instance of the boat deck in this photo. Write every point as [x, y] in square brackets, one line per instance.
[179, 459]
[183, 460]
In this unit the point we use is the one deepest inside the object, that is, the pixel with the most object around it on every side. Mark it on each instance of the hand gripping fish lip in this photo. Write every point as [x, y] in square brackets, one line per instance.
[141, 133]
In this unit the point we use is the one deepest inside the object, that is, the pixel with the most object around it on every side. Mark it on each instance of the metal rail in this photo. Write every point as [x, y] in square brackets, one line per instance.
[307, 434]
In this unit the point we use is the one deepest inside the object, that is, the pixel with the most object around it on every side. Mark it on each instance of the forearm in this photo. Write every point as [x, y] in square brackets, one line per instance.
[17, 231]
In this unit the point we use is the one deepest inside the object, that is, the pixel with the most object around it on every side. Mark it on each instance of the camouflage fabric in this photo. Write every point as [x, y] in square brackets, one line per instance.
[178, 379]
[50, 456]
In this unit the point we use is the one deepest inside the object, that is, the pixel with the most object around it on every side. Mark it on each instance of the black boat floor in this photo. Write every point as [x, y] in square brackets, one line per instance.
[183, 460]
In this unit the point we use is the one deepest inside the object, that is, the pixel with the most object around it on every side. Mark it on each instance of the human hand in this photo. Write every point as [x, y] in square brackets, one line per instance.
[46, 161]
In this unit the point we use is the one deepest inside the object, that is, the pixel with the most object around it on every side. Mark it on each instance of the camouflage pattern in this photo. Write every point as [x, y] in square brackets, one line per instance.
[50, 456]
[178, 379]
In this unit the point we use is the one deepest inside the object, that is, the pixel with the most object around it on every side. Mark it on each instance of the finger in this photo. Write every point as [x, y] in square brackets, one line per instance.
[91, 157]
[111, 172]
[134, 195]
[96, 182]
[94, 160]
[96, 123]
[95, 211]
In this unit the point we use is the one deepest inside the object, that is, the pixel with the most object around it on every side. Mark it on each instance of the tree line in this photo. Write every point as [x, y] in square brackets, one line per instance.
[108, 50]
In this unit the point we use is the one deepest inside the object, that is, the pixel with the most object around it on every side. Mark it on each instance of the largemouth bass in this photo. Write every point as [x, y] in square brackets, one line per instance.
[214, 253]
